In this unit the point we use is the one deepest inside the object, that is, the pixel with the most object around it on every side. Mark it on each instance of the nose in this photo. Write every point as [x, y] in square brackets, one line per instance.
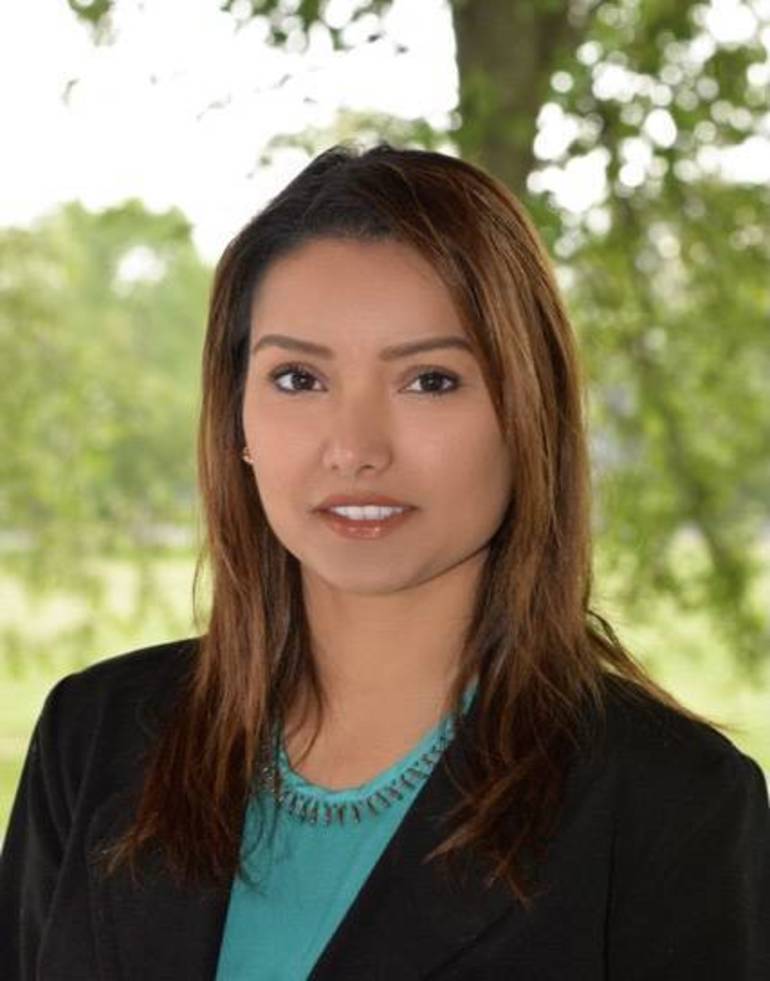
[358, 435]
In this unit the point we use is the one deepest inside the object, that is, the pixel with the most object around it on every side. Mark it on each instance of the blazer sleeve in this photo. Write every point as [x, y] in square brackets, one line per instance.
[697, 904]
[33, 848]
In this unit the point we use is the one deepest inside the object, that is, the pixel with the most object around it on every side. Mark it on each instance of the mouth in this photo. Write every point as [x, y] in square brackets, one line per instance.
[363, 526]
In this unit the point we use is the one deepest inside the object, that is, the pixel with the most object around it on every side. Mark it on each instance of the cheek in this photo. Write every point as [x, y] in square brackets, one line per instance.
[487, 477]
[271, 434]
[285, 470]
[474, 450]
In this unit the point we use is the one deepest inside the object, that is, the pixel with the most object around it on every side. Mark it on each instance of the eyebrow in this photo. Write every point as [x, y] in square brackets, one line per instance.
[386, 354]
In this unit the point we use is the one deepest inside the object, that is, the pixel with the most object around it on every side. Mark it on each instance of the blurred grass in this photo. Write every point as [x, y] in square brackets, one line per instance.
[48, 639]
[44, 640]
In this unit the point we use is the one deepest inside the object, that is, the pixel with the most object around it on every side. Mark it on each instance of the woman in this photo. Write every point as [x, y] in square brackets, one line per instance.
[405, 746]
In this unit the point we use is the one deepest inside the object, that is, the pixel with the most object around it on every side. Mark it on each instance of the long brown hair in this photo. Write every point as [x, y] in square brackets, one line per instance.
[541, 653]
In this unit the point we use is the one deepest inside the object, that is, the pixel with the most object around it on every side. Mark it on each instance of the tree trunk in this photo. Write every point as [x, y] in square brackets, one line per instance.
[506, 54]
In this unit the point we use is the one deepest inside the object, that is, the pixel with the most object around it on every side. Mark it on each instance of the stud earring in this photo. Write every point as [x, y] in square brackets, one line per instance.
[245, 455]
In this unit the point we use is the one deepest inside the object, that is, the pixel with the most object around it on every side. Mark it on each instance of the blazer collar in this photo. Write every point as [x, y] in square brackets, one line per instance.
[156, 929]
[429, 918]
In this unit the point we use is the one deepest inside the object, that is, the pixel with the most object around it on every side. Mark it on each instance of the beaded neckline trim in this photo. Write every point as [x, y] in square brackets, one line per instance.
[307, 808]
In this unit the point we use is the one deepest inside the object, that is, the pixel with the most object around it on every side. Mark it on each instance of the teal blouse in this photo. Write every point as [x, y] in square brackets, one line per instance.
[304, 875]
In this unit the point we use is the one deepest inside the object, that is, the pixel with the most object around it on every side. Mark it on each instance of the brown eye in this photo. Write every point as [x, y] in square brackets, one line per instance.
[295, 370]
[437, 379]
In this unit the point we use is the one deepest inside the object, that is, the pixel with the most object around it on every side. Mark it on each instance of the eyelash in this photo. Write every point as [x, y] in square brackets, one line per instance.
[291, 369]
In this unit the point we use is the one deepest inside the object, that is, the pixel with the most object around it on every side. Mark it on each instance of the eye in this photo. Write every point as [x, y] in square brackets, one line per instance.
[299, 371]
[439, 377]
[289, 369]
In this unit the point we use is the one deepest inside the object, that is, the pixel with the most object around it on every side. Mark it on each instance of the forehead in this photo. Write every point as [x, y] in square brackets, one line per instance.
[329, 296]
[377, 278]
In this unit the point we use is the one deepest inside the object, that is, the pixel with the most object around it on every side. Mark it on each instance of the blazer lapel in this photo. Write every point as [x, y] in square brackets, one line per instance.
[407, 920]
[150, 928]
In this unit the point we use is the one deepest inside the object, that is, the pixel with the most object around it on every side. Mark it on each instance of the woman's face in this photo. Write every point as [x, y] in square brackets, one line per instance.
[353, 422]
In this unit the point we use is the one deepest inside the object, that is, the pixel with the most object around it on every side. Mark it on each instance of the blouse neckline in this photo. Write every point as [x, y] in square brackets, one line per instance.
[312, 802]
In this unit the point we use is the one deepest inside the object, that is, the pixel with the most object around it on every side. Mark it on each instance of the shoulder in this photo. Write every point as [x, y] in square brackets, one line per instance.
[683, 822]
[658, 744]
[109, 711]
[141, 665]
[147, 675]
[91, 739]
[670, 775]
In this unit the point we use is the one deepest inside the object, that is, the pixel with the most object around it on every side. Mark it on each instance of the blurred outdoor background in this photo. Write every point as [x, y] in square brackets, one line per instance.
[139, 136]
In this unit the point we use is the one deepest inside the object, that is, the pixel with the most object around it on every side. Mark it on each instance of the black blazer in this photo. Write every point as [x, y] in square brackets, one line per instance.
[659, 870]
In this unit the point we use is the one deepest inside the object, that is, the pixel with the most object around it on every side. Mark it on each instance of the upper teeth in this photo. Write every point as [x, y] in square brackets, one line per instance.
[366, 513]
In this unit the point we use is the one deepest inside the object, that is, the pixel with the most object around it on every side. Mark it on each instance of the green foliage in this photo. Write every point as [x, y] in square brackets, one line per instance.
[101, 323]
[671, 297]
[350, 126]
[92, 11]
[678, 369]
[295, 19]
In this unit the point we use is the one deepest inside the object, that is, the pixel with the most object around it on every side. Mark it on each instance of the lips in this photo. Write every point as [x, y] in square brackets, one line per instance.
[361, 500]
[365, 530]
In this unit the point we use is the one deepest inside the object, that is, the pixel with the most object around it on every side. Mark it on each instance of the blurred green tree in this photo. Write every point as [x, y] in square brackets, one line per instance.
[665, 273]
[101, 324]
